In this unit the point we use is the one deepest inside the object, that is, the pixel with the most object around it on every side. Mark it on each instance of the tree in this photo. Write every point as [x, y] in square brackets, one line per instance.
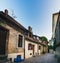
[50, 47]
[43, 38]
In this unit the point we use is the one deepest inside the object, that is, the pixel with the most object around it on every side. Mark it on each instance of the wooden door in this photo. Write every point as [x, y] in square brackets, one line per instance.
[3, 34]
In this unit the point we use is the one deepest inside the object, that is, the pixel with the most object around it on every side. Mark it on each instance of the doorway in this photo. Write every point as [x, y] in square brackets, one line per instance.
[33, 49]
[3, 38]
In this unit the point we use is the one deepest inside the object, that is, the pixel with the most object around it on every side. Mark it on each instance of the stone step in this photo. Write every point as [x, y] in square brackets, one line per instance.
[5, 62]
[3, 59]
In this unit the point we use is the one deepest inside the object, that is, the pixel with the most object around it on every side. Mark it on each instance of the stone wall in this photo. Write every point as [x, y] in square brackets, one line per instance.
[12, 45]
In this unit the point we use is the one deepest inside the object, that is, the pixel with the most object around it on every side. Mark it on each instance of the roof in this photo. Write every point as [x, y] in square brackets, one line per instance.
[56, 13]
[33, 40]
[10, 19]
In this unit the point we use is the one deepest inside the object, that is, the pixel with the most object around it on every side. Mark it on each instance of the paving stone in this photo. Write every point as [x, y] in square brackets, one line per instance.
[46, 58]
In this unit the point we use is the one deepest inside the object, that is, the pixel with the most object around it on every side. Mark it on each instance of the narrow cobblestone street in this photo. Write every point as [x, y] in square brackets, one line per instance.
[46, 58]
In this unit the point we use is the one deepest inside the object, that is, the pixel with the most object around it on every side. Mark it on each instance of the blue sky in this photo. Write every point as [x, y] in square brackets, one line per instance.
[34, 13]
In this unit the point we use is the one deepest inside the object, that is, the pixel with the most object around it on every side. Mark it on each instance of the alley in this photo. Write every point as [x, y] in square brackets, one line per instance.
[46, 58]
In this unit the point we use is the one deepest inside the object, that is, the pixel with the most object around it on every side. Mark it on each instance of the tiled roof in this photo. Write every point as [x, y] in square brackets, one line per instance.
[33, 40]
[10, 19]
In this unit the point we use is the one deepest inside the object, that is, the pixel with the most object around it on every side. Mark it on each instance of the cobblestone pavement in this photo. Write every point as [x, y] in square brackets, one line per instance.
[46, 58]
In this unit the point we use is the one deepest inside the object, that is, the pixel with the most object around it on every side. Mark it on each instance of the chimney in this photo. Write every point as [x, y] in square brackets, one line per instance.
[29, 28]
[6, 11]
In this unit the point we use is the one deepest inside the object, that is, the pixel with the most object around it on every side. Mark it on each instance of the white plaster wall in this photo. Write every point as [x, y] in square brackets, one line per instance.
[27, 52]
[39, 51]
[36, 48]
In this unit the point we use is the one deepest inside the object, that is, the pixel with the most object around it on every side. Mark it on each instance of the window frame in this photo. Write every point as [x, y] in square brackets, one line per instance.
[21, 43]
[30, 46]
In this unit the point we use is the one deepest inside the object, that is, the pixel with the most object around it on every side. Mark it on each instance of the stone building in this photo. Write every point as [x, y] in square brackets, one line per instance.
[54, 22]
[12, 36]
[57, 36]
[17, 40]
[33, 46]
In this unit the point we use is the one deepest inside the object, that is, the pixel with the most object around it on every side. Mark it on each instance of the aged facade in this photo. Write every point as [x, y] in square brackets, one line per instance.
[17, 40]
[54, 22]
[12, 36]
[57, 36]
[56, 32]
[33, 47]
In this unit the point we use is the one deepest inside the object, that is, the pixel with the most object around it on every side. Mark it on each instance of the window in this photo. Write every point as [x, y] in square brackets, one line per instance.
[20, 39]
[30, 47]
[39, 47]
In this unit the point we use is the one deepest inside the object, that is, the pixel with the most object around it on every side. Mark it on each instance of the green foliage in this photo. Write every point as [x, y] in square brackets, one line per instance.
[43, 38]
[50, 47]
